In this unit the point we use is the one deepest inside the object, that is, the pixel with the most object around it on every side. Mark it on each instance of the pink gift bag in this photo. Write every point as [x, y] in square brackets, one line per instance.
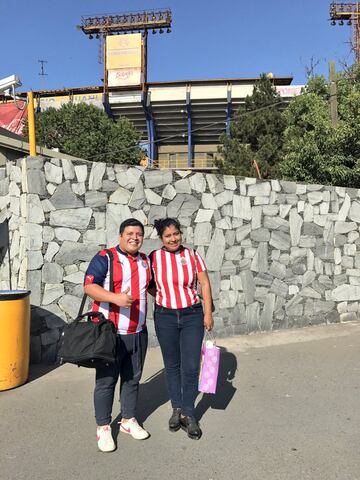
[210, 361]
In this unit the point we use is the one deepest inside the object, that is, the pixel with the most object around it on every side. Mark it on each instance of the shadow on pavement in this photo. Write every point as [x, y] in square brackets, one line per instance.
[152, 394]
[38, 370]
[225, 390]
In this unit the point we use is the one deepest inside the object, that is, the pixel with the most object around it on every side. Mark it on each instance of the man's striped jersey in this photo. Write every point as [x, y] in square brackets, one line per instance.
[175, 277]
[133, 272]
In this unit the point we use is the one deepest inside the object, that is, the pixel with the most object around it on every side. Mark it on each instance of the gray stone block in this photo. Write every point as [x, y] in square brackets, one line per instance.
[215, 186]
[35, 259]
[156, 212]
[77, 218]
[128, 177]
[109, 186]
[68, 168]
[233, 253]
[70, 305]
[52, 273]
[276, 223]
[34, 285]
[53, 173]
[202, 233]
[260, 235]
[215, 253]
[266, 317]
[157, 178]
[260, 259]
[277, 270]
[279, 288]
[52, 292]
[228, 268]
[280, 240]
[253, 316]
[96, 175]
[70, 252]
[36, 182]
[312, 229]
[247, 280]
[95, 199]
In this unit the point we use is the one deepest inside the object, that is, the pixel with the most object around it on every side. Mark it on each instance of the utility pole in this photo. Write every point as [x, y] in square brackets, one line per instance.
[333, 95]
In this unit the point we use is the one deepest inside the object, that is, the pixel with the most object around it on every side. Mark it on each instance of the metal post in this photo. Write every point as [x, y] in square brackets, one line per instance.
[189, 125]
[150, 126]
[228, 110]
[31, 123]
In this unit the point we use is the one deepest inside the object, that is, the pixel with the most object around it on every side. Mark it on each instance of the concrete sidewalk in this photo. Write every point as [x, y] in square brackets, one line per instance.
[287, 407]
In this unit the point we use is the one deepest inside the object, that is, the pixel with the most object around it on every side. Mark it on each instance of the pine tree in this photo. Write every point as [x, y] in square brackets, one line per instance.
[256, 134]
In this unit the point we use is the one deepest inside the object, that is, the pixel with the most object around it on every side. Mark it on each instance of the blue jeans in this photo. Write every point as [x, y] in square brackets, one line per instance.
[180, 333]
[131, 352]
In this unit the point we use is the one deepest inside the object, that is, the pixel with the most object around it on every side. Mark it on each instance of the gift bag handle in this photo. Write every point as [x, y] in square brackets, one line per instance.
[209, 335]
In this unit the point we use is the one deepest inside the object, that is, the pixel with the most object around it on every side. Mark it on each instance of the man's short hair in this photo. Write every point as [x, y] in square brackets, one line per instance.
[131, 222]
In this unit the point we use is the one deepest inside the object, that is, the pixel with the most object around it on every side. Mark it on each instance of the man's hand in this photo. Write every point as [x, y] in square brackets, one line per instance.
[123, 299]
[208, 322]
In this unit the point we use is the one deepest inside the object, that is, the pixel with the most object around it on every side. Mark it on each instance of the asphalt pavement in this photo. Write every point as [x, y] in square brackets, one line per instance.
[287, 407]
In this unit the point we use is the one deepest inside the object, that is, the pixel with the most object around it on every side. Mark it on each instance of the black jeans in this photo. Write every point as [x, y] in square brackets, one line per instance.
[131, 351]
[180, 333]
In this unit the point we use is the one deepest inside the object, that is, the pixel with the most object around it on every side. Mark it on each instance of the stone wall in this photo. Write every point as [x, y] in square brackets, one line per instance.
[278, 254]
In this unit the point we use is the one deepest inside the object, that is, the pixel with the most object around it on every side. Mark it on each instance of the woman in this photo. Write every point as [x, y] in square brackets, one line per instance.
[180, 319]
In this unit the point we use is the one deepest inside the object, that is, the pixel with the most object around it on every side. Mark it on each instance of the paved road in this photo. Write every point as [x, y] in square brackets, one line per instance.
[287, 407]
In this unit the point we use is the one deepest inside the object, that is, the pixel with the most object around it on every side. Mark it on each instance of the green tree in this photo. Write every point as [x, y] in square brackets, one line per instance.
[85, 131]
[256, 134]
[314, 150]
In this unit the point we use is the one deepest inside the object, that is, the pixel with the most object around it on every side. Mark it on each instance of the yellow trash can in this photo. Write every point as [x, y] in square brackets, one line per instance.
[14, 337]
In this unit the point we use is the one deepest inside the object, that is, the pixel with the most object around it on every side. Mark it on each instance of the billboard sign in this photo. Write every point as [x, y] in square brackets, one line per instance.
[44, 103]
[124, 60]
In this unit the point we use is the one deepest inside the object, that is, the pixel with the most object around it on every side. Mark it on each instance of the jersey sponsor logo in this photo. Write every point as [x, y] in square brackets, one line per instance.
[89, 279]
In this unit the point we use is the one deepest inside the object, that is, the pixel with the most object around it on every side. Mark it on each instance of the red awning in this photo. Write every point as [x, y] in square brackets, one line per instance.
[12, 118]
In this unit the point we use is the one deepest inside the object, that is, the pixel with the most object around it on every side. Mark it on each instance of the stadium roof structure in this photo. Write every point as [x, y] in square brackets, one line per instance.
[184, 112]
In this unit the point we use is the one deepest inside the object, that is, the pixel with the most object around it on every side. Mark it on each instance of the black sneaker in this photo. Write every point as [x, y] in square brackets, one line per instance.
[174, 420]
[191, 426]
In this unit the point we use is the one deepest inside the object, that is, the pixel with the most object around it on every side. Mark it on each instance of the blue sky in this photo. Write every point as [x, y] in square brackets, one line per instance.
[209, 39]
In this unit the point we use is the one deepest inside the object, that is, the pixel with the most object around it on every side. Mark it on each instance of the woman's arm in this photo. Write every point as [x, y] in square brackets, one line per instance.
[203, 279]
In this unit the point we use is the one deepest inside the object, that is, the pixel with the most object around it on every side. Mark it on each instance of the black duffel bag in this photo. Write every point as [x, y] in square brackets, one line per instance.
[90, 340]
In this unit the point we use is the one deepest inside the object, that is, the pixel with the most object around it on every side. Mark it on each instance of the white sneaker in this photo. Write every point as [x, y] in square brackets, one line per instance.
[104, 439]
[132, 427]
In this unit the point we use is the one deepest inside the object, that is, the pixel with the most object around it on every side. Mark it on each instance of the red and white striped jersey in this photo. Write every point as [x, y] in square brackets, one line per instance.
[129, 271]
[175, 277]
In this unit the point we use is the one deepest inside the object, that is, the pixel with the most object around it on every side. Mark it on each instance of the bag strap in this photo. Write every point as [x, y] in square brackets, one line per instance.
[193, 254]
[111, 283]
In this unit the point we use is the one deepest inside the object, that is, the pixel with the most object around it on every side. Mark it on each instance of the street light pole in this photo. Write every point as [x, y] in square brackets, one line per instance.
[31, 124]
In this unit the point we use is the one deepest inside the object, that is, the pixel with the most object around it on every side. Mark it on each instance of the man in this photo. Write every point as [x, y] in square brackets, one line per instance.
[126, 308]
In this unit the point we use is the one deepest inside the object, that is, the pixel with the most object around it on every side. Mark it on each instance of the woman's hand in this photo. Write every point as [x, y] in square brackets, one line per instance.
[208, 322]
